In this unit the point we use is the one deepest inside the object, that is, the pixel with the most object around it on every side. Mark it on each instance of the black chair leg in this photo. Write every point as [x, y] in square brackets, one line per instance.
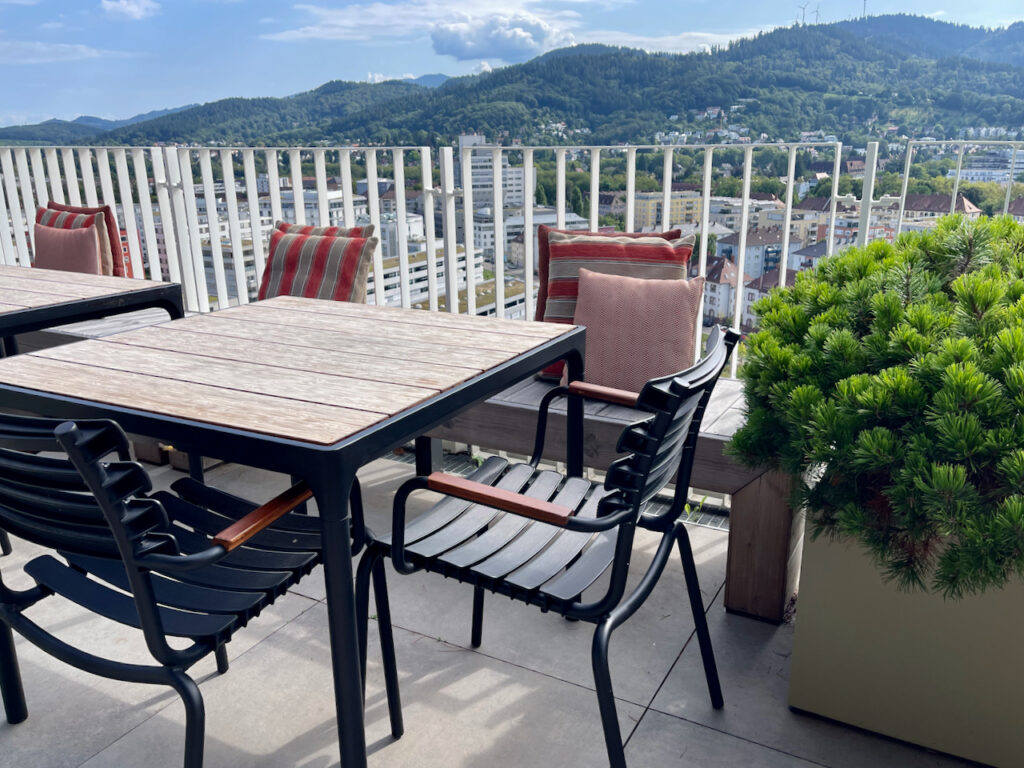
[195, 718]
[5, 543]
[9, 346]
[387, 648]
[700, 619]
[363, 573]
[605, 696]
[10, 678]
[222, 658]
[476, 635]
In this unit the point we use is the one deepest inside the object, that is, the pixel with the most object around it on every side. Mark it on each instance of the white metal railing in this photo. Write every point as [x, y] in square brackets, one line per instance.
[201, 215]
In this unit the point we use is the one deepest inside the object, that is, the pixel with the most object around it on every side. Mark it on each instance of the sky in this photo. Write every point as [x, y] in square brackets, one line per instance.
[118, 58]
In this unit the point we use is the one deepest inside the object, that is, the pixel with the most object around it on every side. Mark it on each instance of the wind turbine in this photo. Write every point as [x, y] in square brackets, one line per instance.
[815, 12]
[803, 12]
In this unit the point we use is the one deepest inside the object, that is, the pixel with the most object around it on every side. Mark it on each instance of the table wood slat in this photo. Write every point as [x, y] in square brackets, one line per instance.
[367, 328]
[54, 292]
[337, 362]
[424, 317]
[326, 338]
[302, 386]
[281, 417]
[114, 284]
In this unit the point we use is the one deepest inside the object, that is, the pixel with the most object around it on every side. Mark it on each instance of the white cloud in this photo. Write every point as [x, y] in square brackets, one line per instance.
[380, 77]
[514, 37]
[132, 9]
[32, 52]
[935, 14]
[482, 67]
[684, 42]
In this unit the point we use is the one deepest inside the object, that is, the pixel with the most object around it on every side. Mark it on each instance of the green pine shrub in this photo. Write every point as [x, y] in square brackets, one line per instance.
[890, 379]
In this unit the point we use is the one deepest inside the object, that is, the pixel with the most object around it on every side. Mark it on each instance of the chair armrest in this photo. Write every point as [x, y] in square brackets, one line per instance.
[470, 490]
[239, 532]
[607, 394]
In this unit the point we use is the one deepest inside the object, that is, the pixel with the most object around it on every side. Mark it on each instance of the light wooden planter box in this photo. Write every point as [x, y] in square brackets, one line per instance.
[944, 674]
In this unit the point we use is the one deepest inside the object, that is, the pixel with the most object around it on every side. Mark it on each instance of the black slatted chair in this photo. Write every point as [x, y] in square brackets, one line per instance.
[158, 562]
[543, 538]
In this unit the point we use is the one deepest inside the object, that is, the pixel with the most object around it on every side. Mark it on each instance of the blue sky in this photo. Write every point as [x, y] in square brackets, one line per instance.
[117, 58]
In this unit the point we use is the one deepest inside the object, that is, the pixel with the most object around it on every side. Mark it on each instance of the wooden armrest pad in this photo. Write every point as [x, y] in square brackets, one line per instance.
[244, 529]
[608, 394]
[471, 490]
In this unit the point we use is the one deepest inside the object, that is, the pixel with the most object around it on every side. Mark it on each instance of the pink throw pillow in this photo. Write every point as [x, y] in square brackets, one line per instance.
[72, 250]
[637, 329]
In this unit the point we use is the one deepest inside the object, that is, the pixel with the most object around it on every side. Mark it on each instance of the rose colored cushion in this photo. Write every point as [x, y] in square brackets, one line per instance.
[543, 255]
[110, 237]
[317, 267]
[302, 229]
[636, 329]
[52, 219]
[72, 250]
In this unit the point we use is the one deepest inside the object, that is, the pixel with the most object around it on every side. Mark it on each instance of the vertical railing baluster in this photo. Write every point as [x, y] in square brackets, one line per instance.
[197, 262]
[499, 242]
[234, 226]
[560, 188]
[146, 207]
[156, 156]
[88, 179]
[741, 257]
[666, 192]
[274, 185]
[402, 221]
[8, 251]
[837, 164]
[451, 256]
[905, 187]
[956, 181]
[868, 193]
[468, 223]
[1009, 182]
[27, 199]
[53, 173]
[595, 186]
[39, 176]
[630, 189]
[373, 205]
[347, 190]
[176, 181]
[322, 206]
[252, 199]
[17, 222]
[124, 185]
[427, 179]
[788, 216]
[71, 175]
[298, 193]
[529, 182]
[705, 223]
[213, 223]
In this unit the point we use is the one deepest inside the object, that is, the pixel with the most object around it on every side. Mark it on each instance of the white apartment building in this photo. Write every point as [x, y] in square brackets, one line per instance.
[481, 173]
[419, 277]
[515, 224]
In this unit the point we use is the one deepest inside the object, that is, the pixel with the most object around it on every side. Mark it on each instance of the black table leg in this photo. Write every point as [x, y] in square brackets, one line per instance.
[332, 496]
[428, 455]
[574, 420]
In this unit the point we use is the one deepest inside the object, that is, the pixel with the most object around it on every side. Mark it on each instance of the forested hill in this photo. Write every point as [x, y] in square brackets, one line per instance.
[855, 78]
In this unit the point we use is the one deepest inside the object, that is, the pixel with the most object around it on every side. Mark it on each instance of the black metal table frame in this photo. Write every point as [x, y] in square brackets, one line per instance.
[166, 297]
[330, 470]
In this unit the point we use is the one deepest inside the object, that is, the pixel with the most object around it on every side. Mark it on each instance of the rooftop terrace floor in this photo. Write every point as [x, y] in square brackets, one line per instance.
[524, 698]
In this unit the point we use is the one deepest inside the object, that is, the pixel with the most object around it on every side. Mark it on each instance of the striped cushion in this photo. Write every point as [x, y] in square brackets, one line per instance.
[643, 257]
[317, 267]
[302, 229]
[46, 217]
[120, 265]
[543, 255]
[652, 258]
[636, 329]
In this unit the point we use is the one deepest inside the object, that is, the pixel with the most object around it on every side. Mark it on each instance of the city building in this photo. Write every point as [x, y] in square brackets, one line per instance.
[757, 289]
[481, 174]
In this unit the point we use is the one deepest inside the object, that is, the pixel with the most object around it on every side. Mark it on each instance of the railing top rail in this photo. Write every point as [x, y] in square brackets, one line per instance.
[968, 142]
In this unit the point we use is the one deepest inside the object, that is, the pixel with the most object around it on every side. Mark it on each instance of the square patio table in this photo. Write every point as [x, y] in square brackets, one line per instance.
[314, 389]
[32, 299]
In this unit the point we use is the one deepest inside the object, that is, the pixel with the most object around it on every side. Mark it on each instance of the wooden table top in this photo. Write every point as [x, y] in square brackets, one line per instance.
[300, 369]
[29, 287]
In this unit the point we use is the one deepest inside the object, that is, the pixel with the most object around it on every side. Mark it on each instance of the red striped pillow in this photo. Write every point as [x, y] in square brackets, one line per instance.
[121, 266]
[543, 255]
[302, 229]
[57, 219]
[643, 257]
[317, 267]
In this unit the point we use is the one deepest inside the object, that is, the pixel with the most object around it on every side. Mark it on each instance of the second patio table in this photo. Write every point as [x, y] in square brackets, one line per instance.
[310, 388]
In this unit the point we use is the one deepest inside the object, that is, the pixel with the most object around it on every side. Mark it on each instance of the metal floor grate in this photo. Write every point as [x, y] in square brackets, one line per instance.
[706, 516]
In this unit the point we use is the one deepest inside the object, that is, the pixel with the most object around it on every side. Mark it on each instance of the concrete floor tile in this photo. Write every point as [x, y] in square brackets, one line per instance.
[753, 663]
[661, 741]
[462, 709]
